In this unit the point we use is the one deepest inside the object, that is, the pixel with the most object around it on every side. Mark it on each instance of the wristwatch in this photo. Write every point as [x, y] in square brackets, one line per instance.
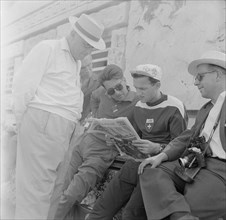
[162, 147]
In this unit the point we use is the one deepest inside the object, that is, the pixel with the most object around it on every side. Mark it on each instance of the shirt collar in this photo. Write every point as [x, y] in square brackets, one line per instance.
[163, 98]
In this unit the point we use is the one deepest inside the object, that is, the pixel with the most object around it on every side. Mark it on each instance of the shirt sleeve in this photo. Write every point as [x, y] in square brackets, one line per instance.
[178, 124]
[177, 146]
[95, 100]
[28, 78]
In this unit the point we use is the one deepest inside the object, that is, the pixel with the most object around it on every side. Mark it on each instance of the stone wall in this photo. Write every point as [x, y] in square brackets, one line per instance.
[167, 33]
[171, 34]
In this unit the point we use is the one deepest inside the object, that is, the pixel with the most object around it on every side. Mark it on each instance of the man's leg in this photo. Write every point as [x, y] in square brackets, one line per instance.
[206, 196]
[134, 209]
[43, 141]
[116, 194]
[160, 194]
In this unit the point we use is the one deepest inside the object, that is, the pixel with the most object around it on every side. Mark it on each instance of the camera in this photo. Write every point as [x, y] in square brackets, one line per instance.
[193, 159]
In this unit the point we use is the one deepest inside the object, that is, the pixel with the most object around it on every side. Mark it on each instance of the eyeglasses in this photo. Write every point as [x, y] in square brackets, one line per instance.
[118, 87]
[200, 76]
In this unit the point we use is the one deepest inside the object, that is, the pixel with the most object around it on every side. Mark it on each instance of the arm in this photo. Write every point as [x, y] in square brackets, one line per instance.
[177, 146]
[28, 78]
[95, 100]
[172, 151]
[177, 124]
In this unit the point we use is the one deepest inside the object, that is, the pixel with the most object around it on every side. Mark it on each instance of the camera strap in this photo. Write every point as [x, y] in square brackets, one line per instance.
[213, 130]
[212, 119]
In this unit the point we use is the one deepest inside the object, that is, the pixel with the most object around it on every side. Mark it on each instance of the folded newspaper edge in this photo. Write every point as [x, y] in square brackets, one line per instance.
[123, 133]
[117, 127]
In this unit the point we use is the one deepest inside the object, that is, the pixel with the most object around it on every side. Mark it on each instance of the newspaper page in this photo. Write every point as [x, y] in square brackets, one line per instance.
[123, 133]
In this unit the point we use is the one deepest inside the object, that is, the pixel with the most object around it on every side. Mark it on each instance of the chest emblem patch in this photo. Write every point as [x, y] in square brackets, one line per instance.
[149, 124]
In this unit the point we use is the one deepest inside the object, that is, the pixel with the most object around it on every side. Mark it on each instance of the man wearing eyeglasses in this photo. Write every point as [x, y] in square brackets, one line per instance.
[158, 119]
[91, 156]
[164, 193]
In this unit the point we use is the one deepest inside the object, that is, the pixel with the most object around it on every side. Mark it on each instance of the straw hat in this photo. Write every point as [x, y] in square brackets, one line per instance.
[87, 28]
[211, 57]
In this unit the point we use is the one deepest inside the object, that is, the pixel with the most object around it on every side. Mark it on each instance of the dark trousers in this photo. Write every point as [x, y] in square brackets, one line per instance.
[123, 190]
[164, 193]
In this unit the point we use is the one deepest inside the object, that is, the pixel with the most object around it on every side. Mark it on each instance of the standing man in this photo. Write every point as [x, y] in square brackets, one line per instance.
[158, 119]
[48, 104]
[165, 194]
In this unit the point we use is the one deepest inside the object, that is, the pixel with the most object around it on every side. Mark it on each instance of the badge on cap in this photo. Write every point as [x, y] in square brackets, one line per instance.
[149, 124]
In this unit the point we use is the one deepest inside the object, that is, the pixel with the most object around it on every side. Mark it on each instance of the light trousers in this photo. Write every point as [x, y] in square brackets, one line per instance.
[43, 140]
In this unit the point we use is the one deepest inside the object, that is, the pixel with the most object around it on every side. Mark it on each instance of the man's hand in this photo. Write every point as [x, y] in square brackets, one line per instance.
[146, 146]
[154, 161]
[110, 142]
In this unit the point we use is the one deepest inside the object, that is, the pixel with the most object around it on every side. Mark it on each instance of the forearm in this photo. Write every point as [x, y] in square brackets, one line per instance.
[177, 146]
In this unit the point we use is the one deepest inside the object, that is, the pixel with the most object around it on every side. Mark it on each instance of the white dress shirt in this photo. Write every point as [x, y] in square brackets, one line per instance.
[49, 80]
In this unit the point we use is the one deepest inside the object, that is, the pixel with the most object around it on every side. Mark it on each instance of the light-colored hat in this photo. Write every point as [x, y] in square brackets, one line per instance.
[149, 70]
[211, 57]
[87, 28]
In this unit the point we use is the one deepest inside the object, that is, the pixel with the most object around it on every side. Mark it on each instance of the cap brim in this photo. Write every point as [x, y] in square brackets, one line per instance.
[139, 73]
[192, 67]
[100, 45]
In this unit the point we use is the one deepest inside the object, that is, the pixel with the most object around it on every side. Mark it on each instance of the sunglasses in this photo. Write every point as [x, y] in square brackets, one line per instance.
[118, 87]
[200, 76]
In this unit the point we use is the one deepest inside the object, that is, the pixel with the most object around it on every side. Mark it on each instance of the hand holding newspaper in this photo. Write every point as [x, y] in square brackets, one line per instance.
[123, 133]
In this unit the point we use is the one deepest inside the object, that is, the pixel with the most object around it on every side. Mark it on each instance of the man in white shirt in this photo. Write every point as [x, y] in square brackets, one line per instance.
[48, 103]
[167, 195]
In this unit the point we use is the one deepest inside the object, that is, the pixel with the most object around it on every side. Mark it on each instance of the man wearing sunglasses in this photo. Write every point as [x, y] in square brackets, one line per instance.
[112, 99]
[91, 156]
[164, 194]
[158, 119]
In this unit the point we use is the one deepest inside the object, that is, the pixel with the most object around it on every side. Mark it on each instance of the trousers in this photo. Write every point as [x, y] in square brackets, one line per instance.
[43, 141]
[164, 193]
[89, 161]
[122, 191]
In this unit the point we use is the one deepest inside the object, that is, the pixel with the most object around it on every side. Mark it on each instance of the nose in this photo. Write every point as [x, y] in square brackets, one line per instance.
[196, 82]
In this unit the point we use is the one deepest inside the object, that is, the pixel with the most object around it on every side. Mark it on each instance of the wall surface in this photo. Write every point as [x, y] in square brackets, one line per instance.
[171, 34]
[167, 33]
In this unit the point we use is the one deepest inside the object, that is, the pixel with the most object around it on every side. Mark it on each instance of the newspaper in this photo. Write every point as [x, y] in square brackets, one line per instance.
[123, 133]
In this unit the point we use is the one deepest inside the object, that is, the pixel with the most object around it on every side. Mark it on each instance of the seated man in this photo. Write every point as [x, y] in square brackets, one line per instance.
[158, 118]
[91, 157]
[164, 193]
